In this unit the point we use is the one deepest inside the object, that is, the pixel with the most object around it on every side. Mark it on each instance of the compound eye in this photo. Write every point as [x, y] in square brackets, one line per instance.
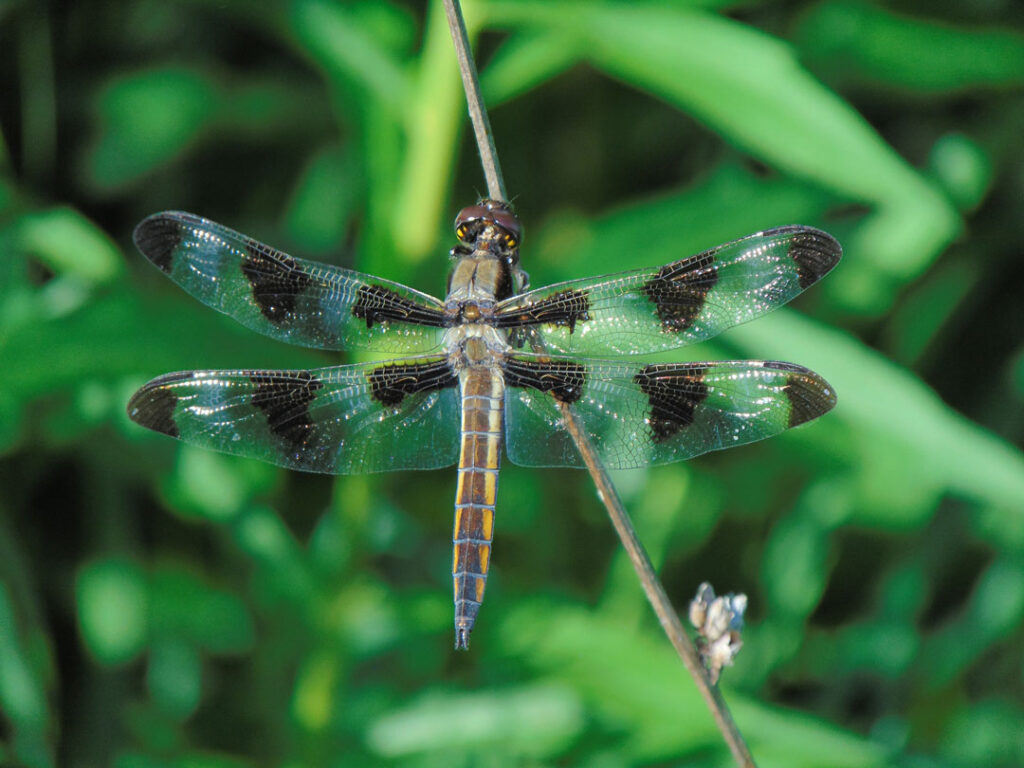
[508, 221]
[467, 223]
[473, 219]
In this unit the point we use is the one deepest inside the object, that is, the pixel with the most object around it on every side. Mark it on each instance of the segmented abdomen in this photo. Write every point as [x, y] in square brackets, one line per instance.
[483, 393]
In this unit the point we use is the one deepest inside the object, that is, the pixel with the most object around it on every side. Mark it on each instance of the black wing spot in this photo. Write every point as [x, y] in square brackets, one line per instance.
[284, 398]
[674, 393]
[566, 307]
[563, 379]
[375, 304]
[809, 395]
[157, 237]
[153, 406]
[391, 384]
[275, 279]
[778, 365]
[680, 289]
[815, 253]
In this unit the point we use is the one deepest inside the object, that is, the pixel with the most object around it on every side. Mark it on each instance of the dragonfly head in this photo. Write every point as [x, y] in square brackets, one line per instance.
[490, 224]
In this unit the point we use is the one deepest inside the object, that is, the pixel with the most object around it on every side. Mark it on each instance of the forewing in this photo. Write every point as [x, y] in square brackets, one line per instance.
[636, 415]
[302, 302]
[653, 310]
[348, 419]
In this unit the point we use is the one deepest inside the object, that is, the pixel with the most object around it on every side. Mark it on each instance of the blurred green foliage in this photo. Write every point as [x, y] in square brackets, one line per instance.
[161, 605]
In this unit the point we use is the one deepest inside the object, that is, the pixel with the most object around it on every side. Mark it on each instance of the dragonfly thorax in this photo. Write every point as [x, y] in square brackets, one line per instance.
[475, 345]
[487, 259]
[481, 278]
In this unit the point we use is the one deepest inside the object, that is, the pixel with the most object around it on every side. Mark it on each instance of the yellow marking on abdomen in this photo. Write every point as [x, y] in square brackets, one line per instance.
[477, 486]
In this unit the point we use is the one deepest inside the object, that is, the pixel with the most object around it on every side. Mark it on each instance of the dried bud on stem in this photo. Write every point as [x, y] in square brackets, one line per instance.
[719, 621]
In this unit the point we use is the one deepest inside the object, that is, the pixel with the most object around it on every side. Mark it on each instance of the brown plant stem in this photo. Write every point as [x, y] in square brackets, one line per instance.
[477, 111]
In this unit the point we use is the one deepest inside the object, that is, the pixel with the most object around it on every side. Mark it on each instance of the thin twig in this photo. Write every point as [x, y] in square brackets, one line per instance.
[477, 111]
[656, 595]
[655, 592]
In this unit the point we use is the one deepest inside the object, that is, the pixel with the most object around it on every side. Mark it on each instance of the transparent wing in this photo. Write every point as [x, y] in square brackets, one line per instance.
[343, 420]
[302, 302]
[653, 310]
[637, 415]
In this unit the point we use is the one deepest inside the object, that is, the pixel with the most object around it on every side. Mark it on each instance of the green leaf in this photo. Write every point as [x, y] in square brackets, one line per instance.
[794, 572]
[432, 117]
[215, 486]
[273, 109]
[69, 244]
[750, 88]
[174, 676]
[963, 167]
[926, 310]
[325, 199]
[146, 119]
[866, 42]
[113, 603]
[993, 614]
[535, 721]
[316, 683]
[637, 681]
[263, 537]
[22, 692]
[524, 61]
[743, 83]
[985, 732]
[184, 607]
[347, 50]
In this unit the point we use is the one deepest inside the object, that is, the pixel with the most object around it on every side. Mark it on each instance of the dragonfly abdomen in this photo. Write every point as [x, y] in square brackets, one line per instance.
[483, 393]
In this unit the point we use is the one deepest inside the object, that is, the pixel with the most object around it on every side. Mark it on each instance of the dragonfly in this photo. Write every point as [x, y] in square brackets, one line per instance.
[491, 366]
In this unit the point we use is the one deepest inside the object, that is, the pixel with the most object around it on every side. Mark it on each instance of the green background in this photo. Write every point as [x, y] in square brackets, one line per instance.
[165, 606]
